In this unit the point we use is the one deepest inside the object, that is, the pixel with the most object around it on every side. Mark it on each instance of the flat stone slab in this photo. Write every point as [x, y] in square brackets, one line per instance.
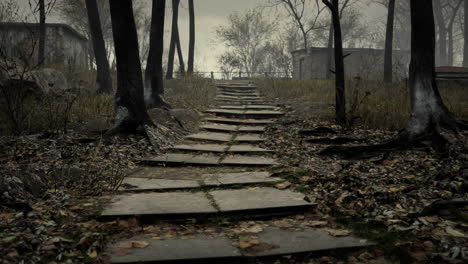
[159, 204]
[219, 148]
[176, 158]
[263, 113]
[225, 111]
[220, 127]
[175, 250]
[239, 121]
[220, 179]
[146, 184]
[261, 199]
[254, 129]
[245, 148]
[211, 136]
[248, 107]
[248, 138]
[241, 160]
[292, 242]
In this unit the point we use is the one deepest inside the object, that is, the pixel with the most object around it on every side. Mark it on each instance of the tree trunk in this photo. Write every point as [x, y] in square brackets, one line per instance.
[450, 47]
[42, 33]
[388, 60]
[465, 34]
[328, 73]
[174, 34]
[191, 53]
[340, 100]
[442, 34]
[130, 109]
[427, 109]
[154, 83]
[180, 55]
[103, 80]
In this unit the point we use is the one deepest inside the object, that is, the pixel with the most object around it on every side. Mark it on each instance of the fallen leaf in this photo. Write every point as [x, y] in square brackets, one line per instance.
[340, 199]
[244, 244]
[316, 223]
[93, 254]
[338, 232]
[283, 185]
[9, 238]
[254, 229]
[454, 232]
[132, 244]
[120, 252]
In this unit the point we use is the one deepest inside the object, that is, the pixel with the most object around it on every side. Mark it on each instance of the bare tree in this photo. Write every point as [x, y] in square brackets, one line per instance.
[192, 37]
[9, 11]
[306, 17]
[246, 35]
[445, 12]
[340, 101]
[465, 34]
[388, 61]
[130, 108]
[154, 82]
[103, 79]
[428, 112]
[174, 37]
[42, 32]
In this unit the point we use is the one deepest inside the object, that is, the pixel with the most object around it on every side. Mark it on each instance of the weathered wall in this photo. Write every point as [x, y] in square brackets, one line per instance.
[366, 63]
[20, 43]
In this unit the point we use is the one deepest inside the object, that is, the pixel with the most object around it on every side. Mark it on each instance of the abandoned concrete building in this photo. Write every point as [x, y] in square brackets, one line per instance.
[64, 45]
[363, 62]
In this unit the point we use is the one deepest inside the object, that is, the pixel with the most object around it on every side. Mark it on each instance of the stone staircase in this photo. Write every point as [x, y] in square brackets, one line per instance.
[220, 171]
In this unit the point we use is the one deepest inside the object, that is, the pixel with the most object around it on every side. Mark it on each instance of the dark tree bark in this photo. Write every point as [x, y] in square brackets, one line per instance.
[465, 34]
[174, 36]
[340, 100]
[42, 32]
[328, 73]
[154, 82]
[388, 60]
[180, 55]
[191, 53]
[130, 110]
[428, 112]
[103, 80]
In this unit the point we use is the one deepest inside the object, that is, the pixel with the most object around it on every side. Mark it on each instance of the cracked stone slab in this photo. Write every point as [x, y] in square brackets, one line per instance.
[211, 136]
[261, 199]
[202, 147]
[220, 127]
[146, 184]
[241, 160]
[254, 177]
[248, 138]
[287, 242]
[200, 248]
[159, 204]
[181, 159]
[245, 148]
[239, 121]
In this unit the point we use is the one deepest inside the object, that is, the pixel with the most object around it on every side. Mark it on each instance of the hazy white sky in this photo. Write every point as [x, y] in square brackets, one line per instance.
[209, 15]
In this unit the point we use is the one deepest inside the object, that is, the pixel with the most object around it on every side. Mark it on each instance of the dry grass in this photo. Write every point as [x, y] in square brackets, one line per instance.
[192, 92]
[372, 103]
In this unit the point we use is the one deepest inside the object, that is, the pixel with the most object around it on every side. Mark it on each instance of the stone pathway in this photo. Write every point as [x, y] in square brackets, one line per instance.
[220, 171]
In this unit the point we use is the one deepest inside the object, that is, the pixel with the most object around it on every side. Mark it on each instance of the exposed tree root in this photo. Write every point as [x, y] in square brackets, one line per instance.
[317, 131]
[160, 102]
[336, 140]
[436, 206]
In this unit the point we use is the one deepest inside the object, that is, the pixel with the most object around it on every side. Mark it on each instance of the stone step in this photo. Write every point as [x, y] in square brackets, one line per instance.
[178, 159]
[248, 107]
[247, 138]
[180, 205]
[220, 148]
[241, 94]
[138, 184]
[203, 248]
[211, 136]
[232, 128]
[237, 121]
[252, 114]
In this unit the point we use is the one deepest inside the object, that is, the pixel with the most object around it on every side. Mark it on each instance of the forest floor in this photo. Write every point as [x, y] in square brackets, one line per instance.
[56, 220]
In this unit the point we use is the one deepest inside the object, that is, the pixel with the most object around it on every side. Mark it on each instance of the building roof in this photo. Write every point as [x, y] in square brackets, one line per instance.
[30, 25]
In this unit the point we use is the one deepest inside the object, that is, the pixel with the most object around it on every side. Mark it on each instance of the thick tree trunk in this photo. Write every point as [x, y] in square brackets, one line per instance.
[328, 72]
[130, 109]
[103, 80]
[427, 108]
[450, 47]
[180, 55]
[42, 33]
[174, 35]
[442, 60]
[340, 100]
[388, 60]
[465, 34]
[191, 53]
[154, 82]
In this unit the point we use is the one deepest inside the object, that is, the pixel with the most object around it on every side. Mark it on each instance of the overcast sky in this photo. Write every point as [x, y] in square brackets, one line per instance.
[211, 14]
